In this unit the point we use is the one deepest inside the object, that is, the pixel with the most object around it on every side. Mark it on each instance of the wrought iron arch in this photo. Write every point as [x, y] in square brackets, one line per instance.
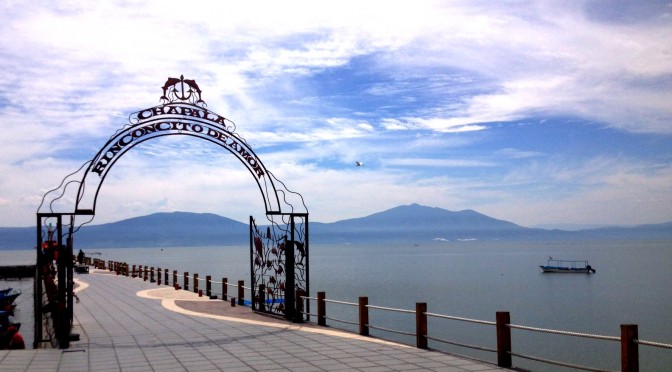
[182, 113]
[278, 257]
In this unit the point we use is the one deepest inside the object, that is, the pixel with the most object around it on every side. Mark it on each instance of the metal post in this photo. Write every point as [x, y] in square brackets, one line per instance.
[195, 282]
[165, 276]
[363, 316]
[421, 325]
[629, 348]
[151, 274]
[186, 281]
[208, 285]
[225, 289]
[241, 293]
[298, 318]
[174, 277]
[321, 309]
[158, 275]
[290, 283]
[503, 339]
[261, 306]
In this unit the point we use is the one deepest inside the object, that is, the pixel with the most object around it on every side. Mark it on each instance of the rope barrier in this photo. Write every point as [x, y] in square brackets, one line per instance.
[340, 320]
[463, 345]
[654, 344]
[566, 333]
[391, 330]
[341, 302]
[390, 309]
[461, 319]
[563, 364]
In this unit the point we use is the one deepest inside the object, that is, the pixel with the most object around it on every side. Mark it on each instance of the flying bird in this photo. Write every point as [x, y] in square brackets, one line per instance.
[359, 163]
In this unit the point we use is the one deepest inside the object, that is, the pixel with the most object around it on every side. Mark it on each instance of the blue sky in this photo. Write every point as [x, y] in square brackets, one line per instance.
[540, 113]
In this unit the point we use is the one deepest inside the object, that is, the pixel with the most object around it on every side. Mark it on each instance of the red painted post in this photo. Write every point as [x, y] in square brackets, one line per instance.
[503, 339]
[241, 293]
[363, 316]
[421, 325]
[321, 309]
[196, 283]
[629, 348]
[208, 286]
[186, 281]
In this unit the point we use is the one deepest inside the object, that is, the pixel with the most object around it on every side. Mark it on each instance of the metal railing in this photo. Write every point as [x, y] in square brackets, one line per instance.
[629, 339]
[629, 336]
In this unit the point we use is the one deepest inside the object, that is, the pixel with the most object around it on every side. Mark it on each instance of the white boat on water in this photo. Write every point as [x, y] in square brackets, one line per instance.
[564, 266]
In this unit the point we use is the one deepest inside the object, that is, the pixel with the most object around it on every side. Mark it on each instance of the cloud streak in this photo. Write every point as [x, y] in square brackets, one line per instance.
[431, 96]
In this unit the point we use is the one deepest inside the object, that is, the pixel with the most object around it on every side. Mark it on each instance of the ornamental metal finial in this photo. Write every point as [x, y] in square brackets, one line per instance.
[172, 92]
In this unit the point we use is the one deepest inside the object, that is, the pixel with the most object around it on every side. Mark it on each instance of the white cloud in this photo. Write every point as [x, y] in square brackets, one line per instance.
[431, 69]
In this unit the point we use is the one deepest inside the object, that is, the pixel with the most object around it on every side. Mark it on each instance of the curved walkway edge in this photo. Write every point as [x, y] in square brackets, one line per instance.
[129, 324]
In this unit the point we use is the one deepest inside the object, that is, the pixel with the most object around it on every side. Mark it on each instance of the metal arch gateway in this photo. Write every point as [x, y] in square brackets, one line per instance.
[278, 255]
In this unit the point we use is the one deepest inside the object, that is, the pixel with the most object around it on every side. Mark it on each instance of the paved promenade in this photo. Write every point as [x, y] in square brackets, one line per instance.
[131, 325]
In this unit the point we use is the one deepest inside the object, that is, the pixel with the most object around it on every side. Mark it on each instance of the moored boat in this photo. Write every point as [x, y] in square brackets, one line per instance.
[566, 266]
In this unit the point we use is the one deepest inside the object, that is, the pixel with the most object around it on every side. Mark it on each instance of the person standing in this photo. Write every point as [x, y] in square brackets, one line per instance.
[16, 340]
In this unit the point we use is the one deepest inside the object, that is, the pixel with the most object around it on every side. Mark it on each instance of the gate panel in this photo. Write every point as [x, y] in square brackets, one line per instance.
[279, 260]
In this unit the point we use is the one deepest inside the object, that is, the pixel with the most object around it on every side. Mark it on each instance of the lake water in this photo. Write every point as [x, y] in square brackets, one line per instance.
[476, 279]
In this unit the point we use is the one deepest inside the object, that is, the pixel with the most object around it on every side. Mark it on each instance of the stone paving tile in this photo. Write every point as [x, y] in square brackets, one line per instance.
[122, 331]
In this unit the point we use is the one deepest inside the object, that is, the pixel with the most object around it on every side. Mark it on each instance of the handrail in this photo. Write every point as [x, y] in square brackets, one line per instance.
[341, 302]
[566, 333]
[653, 343]
[563, 364]
[390, 309]
[628, 336]
[469, 320]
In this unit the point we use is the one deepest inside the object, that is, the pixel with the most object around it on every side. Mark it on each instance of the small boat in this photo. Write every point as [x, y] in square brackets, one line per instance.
[564, 266]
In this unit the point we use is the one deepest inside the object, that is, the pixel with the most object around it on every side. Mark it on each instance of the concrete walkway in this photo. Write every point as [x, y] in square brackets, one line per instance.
[131, 325]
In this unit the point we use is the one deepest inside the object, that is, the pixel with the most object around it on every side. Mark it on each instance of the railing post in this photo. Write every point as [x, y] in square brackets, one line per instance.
[195, 282]
[165, 277]
[146, 272]
[363, 316]
[321, 309]
[421, 325]
[208, 285]
[186, 281]
[629, 348]
[241, 293]
[298, 308]
[503, 339]
[261, 305]
[174, 278]
[225, 289]
[158, 276]
[151, 274]
[133, 273]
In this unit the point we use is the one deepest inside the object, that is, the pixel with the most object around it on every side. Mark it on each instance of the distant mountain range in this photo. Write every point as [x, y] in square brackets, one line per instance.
[408, 223]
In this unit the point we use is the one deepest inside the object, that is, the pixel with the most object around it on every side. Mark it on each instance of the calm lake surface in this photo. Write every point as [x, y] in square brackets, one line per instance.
[473, 279]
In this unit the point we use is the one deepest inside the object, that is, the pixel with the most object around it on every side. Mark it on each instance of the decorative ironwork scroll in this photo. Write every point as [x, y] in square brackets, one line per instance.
[183, 112]
[279, 264]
